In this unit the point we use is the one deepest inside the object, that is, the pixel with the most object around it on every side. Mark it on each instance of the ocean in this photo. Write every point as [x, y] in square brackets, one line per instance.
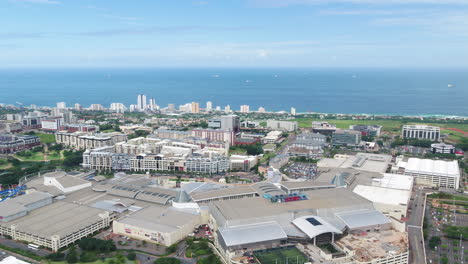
[326, 90]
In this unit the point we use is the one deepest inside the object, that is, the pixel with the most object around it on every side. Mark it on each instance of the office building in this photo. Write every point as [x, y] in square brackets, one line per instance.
[367, 130]
[226, 123]
[421, 132]
[52, 124]
[244, 109]
[442, 148]
[323, 128]
[141, 102]
[293, 111]
[282, 125]
[436, 173]
[7, 126]
[346, 138]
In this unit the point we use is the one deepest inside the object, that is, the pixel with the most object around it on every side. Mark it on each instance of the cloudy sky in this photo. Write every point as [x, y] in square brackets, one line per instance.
[234, 33]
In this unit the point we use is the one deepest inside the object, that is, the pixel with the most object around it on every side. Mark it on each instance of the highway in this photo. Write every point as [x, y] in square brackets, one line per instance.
[414, 225]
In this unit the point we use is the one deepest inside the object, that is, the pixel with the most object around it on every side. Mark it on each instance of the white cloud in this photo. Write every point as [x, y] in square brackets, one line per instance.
[284, 3]
[49, 2]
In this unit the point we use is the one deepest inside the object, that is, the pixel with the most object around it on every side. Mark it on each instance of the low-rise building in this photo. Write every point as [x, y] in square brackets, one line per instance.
[242, 163]
[421, 132]
[289, 126]
[442, 148]
[165, 226]
[323, 128]
[438, 173]
[13, 143]
[367, 130]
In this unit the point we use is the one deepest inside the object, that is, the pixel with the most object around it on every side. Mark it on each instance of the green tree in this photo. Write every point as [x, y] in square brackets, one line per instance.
[72, 256]
[131, 255]
[167, 260]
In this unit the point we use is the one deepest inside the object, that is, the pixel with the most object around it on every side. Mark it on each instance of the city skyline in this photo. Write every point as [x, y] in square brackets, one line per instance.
[251, 33]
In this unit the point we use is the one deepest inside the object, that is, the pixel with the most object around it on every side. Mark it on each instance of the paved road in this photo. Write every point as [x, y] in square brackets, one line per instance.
[417, 254]
[14, 244]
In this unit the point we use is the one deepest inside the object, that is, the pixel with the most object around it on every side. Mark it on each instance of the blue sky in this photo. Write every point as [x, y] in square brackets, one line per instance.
[234, 33]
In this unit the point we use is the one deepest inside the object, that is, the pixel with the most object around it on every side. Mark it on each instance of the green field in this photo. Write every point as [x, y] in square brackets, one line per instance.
[45, 138]
[387, 125]
[4, 164]
[40, 156]
[289, 255]
[106, 261]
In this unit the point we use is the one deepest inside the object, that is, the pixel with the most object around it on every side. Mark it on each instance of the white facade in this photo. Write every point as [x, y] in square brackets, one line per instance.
[421, 132]
[445, 174]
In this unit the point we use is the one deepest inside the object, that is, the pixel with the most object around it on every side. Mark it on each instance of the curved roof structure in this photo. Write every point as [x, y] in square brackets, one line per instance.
[313, 226]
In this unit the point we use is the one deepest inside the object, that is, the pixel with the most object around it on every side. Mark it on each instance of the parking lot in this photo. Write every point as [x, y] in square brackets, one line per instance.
[305, 171]
[448, 251]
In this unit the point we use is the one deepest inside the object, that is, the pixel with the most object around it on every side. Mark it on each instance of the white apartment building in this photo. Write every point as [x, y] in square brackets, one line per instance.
[244, 109]
[282, 125]
[421, 132]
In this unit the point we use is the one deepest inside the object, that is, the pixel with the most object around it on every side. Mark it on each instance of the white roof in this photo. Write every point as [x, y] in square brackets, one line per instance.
[432, 167]
[313, 226]
[254, 233]
[383, 195]
[394, 181]
[12, 260]
[364, 218]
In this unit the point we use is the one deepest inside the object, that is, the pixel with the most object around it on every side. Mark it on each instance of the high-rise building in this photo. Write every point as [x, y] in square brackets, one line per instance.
[33, 106]
[261, 109]
[118, 107]
[195, 107]
[226, 122]
[218, 108]
[152, 105]
[78, 107]
[293, 111]
[209, 106]
[171, 107]
[132, 108]
[245, 109]
[141, 102]
[61, 105]
[96, 107]
[227, 109]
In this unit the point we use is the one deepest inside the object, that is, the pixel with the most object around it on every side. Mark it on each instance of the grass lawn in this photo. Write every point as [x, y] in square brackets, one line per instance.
[281, 256]
[4, 164]
[40, 156]
[45, 138]
[237, 152]
[96, 262]
[387, 125]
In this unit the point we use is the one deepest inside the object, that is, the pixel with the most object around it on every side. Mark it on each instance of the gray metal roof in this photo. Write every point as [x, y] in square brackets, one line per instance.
[249, 234]
[365, 218]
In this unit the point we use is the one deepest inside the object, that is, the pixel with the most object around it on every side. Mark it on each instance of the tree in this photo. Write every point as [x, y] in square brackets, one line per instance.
[167, 260]
[72, 256]
[131, 255]
[56, 256]
[434, 241]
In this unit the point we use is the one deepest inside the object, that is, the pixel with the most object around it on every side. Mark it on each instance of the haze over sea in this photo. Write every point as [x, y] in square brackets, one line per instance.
[328, 90]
